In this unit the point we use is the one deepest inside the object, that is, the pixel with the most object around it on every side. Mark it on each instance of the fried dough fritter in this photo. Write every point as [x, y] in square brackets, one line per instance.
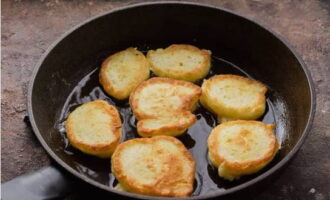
[156, 166]
[241, 147]
[164, 106]
[234, 97]
[180, 61]
[123, 71]
[94, 128]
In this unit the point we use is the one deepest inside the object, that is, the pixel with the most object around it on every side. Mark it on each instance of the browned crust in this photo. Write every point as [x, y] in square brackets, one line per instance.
[163, 187]
[245, 167]
[103, 150]
[185, 110]
[172, 130]
[108, 87]
[196, 74]
[205, 98]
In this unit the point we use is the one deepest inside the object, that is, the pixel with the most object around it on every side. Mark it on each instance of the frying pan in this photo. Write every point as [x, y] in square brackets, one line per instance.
[66, 76]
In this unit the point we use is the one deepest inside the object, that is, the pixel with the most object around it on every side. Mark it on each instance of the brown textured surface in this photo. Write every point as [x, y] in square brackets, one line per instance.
[29, 27]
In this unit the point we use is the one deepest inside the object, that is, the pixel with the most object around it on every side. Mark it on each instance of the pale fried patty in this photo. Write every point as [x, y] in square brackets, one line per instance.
[241, 147]
[180, 61]
[157, 166]
[94, 128]
[234, 97]
[123, 71]
[164, 106]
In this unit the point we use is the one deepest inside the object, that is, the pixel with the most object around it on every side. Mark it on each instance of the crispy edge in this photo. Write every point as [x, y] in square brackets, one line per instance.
[133, 185]
[198, 73]
[188, 105]
[219, 108]
[119, 94]
[246, 167]
[102, 150]
[170, 130]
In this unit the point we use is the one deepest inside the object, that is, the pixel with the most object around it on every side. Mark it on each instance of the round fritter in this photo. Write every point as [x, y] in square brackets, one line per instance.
[241, 147]
[164, 106]
[234, 97]
[94, 128]
[123, 71]
[180, 61]
[157, 166]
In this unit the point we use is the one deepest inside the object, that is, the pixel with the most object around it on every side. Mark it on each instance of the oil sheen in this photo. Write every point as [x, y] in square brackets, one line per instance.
[195, 138]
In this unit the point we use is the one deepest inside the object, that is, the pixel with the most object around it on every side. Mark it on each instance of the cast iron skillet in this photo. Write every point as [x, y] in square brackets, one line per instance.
[67, 76]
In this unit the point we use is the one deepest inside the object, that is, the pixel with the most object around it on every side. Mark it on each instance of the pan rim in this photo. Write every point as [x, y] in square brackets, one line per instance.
[260, 177]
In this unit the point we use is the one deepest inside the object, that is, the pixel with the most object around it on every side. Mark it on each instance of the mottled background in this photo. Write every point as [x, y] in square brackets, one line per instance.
[29, 27]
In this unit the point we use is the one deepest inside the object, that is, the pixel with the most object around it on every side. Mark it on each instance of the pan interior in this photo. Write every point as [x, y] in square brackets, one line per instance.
[195, 139]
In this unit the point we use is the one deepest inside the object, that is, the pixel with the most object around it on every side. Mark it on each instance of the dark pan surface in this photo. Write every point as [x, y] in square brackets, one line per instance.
[207, 179]
[68, 76]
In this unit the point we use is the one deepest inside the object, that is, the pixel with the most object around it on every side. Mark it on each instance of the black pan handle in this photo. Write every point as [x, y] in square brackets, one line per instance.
[49, 182]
